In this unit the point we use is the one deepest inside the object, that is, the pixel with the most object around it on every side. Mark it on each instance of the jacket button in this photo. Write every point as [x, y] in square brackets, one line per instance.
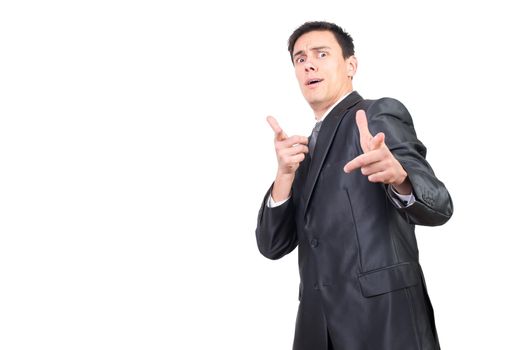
[314, 242]
[315, 286]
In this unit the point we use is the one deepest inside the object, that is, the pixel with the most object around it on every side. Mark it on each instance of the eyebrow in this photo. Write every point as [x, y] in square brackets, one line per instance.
[318, 48]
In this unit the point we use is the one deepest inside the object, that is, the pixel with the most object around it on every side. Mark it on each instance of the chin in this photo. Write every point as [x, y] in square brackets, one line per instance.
[314, 101]
[311, 97]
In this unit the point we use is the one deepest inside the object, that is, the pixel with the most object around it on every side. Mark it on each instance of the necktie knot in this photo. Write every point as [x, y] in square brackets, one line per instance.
[317, 127]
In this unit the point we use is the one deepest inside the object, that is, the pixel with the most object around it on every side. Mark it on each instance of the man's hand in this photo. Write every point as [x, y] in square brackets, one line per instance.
[377, 162]
[290, 152]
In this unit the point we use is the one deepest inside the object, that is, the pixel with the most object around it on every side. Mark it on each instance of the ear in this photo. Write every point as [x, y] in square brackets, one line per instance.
[351, 66]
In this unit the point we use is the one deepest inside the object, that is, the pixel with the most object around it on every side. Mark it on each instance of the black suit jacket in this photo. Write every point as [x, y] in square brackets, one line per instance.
[358, 258]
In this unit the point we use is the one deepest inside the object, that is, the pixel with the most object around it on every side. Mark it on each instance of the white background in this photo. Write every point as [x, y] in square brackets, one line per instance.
[134, 154]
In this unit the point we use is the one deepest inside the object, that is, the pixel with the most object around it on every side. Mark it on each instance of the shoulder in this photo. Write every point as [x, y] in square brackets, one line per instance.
[386, 110]
[388, 115]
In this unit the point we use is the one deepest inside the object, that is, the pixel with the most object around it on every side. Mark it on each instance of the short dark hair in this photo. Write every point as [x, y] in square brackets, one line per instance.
[344, 39]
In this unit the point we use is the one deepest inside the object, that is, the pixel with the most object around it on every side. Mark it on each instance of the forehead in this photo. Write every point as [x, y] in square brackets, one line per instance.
[316, 38]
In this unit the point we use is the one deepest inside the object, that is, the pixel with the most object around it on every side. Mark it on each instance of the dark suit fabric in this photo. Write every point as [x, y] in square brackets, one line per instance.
[358, 258]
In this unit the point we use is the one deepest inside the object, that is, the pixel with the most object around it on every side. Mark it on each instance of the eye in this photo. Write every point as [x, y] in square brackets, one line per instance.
[300, 60]
[322, 54]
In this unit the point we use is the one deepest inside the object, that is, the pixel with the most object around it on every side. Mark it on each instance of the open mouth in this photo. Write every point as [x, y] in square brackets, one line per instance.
[312, 82]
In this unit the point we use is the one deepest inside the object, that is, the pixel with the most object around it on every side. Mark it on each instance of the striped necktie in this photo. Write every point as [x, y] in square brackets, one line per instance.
[313, 138]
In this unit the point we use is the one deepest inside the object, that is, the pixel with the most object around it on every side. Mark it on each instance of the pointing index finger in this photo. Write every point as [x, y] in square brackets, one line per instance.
[279, 133]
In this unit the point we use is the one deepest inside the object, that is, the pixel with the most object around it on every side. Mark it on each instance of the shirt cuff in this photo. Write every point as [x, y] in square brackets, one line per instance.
[272, 204]
[401, 200]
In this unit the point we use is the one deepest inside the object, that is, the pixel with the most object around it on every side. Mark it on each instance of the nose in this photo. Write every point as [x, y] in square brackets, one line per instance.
[310, 67]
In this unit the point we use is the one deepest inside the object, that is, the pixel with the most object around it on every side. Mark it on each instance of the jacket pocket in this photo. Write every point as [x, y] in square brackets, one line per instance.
[389, 278]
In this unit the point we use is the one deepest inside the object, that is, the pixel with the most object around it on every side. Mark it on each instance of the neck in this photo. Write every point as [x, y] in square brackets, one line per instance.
[322, 110]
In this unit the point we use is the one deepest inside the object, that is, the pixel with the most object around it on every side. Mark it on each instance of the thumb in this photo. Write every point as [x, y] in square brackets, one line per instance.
[377, 141]
[365, 135]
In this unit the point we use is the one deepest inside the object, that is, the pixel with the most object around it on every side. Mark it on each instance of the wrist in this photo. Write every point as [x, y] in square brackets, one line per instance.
[403, 186]
[285, 176]
[282, 186]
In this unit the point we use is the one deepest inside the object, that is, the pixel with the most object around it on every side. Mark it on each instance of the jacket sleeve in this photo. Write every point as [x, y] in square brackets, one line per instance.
[276, 230]
[433, 205]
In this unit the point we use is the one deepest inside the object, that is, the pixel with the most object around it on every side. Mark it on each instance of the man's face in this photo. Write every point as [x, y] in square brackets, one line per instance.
[322, 72]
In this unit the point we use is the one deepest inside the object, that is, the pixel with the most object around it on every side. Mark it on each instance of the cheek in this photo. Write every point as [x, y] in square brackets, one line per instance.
[299, 71]
[338, 77]
[299, 77]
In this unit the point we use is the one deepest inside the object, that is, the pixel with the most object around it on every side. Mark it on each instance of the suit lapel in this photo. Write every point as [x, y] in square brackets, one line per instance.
[324, 141]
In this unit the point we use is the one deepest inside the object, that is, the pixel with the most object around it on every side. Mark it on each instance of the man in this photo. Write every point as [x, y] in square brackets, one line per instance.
[349, 197]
